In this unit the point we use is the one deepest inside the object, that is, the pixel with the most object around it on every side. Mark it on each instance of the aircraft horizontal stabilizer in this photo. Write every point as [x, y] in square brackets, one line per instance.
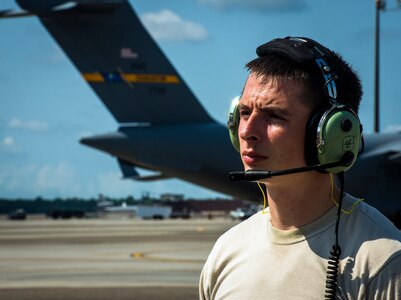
[130, 172]
[9, 13]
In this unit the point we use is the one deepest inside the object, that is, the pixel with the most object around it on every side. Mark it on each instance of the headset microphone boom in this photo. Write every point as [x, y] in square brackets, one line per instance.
[254, 175]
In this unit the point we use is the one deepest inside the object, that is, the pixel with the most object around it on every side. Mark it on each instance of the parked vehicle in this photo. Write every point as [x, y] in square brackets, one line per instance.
[18, 214]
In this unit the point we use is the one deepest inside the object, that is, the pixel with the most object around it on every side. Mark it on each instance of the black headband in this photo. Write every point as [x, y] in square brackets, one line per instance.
[304, 51]
[300, 49]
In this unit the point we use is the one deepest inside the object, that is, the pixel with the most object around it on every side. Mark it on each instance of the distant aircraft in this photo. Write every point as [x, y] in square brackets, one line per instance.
[162, 126]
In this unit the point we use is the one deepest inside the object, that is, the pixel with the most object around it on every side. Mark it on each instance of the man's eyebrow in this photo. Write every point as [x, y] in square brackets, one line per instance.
[274, 109]
[242, 105]
[269, 109]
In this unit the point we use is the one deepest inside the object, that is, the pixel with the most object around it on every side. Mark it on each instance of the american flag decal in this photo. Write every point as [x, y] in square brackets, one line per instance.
[127, 53]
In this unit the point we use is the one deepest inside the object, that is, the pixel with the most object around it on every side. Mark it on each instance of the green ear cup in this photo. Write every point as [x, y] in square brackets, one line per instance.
[339, 132]
[233, 122]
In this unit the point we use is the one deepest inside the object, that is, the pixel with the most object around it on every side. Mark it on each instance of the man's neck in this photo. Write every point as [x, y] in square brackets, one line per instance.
[299, 199]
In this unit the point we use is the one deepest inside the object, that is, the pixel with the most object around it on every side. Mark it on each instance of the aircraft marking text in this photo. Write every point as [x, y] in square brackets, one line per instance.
[101, 77]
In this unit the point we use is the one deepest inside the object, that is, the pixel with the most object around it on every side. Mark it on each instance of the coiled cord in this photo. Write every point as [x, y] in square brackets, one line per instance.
[332, 272]
[334, 259]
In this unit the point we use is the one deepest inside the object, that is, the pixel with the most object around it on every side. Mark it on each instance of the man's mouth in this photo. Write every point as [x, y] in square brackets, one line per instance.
[250, 158]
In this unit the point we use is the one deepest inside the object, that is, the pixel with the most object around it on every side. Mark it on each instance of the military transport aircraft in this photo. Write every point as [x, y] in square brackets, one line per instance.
[162, 126]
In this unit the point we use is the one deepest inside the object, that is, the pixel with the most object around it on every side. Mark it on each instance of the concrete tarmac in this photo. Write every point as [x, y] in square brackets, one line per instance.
[105, 259]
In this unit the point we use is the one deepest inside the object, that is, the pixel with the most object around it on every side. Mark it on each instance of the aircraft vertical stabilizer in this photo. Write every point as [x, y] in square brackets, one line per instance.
[120, 61]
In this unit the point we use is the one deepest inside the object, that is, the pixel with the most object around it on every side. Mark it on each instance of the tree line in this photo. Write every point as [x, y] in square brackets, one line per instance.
[40, 205]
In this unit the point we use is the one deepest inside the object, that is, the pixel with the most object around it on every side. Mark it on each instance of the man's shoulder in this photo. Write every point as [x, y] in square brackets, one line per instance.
[370, 236]
[368, 219]
[248, 229]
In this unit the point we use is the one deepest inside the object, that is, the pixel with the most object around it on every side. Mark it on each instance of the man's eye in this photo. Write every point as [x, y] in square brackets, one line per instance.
[277, 115]
[274, 116]
[244, 113]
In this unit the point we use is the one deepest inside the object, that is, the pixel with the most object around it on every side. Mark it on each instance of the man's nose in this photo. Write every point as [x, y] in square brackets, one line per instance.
[250, 129]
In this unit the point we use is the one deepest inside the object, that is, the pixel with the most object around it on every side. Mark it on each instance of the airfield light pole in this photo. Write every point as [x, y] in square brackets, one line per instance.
[379, 6]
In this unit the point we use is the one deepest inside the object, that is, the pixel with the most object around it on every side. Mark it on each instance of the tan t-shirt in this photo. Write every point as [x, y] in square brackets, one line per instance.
[254, 260]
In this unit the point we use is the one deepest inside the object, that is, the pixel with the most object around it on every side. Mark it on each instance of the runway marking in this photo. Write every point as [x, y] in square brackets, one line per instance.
[137, 255]
[200, 229]
[152, 256]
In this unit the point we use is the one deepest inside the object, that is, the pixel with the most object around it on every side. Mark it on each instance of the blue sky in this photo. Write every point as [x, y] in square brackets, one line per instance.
[46, 107]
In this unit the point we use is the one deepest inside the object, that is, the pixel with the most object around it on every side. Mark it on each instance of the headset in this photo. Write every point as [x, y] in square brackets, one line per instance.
[331, 133]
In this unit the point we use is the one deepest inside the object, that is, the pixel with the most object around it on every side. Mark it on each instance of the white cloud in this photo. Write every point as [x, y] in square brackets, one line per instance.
[8, 145]
[8, 141]
[82, 134]
[31, 180]
[16, 178]
[60, 179]
[64, 180]
[166, 25]
[111, 184]
[258, 5]
[393, 128]
[34, 125]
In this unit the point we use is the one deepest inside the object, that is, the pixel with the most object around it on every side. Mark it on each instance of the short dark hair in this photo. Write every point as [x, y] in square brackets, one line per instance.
[349, 89]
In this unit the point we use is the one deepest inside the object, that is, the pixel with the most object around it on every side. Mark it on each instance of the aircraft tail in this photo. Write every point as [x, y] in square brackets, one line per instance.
[120, 61]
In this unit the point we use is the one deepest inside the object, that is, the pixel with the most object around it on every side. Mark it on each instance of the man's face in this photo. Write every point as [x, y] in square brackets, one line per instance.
[273, 117]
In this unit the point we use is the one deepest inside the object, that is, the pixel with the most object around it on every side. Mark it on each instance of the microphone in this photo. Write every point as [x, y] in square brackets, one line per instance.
[253, 175]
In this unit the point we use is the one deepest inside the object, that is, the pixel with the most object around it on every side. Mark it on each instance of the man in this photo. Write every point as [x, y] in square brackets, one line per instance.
[283, 252]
